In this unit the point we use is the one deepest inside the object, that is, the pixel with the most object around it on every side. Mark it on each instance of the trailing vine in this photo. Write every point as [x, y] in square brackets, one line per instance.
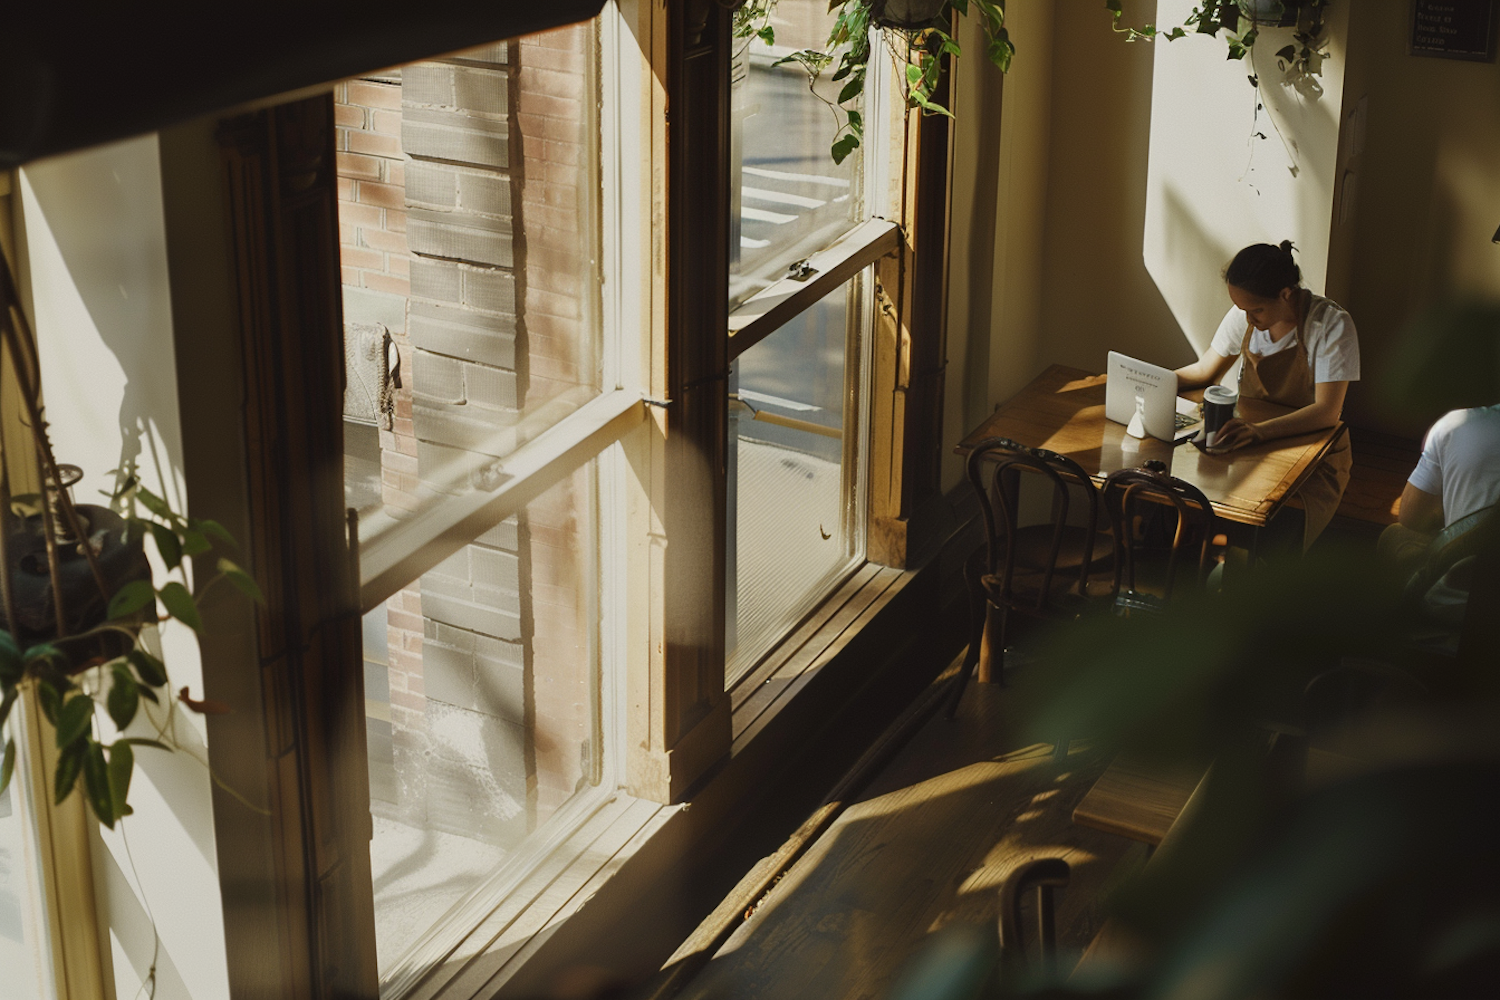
[918, 51]
[1303, 57]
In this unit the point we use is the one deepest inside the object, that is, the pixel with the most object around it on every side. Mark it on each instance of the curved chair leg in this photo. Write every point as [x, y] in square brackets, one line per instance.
[992, 644]
[1042, 875]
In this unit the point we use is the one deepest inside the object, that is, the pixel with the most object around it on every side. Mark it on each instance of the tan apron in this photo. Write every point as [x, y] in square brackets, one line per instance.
[1286, 378]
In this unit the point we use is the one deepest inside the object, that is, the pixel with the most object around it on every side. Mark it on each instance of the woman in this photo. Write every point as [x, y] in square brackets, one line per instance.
[1299, 350]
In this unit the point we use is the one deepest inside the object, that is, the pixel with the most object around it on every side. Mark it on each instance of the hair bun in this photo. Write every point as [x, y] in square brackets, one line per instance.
[1286, 247]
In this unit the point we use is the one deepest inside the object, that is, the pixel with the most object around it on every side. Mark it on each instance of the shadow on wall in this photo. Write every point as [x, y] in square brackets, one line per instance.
[101, 213]
[1187, 244]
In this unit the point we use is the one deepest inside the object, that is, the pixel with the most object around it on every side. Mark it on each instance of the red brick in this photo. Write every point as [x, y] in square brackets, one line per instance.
[553, 218]
[356, 166]
[368, 216]
[406, 699]
[384, 195]
[548, 368]
[536, 81]
[397, 262]
[395, 172]
[341, 92]
[348, 116]
[374, 95]
[404, 619]
[386, 122]
[535, 123]
[569, 37]
[349, 276]
[395, 221]
[542, 57]
[379, 239]
[375, 145]
[345, 188]
[562, 196]
[417, 685]
[403, 405]
[566, 283]
[566, 153]
[569, 110]
[404, 428]
[400, 463]
[387, 283]
[370, 260]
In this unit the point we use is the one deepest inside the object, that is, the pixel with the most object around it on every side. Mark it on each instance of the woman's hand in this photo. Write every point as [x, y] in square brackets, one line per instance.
[1237, 433]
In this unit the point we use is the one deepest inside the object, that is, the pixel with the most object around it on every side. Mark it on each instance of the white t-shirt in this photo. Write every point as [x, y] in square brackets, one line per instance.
[1332, 345]
[1461, 461]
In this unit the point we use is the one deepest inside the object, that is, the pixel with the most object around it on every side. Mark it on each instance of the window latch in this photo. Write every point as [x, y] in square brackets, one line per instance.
[801, 270]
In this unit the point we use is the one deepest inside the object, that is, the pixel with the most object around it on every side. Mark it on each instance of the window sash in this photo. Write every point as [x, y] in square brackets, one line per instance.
[415, 545]
[774, 306]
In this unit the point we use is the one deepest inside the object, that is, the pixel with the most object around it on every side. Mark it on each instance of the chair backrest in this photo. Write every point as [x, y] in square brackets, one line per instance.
[1124, 492]
[995, 468]
[1459, 540]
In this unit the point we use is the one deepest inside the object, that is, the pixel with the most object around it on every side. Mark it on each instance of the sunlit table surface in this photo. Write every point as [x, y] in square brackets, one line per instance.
[1062, 410]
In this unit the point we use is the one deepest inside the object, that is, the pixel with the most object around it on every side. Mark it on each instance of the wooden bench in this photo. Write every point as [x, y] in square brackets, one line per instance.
[1138, 799]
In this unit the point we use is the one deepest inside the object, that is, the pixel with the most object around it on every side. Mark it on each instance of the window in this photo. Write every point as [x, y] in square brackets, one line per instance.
[799, 380]
[488, 381]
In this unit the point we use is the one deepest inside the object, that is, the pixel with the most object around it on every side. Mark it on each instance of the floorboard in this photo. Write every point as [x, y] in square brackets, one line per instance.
[928, 844]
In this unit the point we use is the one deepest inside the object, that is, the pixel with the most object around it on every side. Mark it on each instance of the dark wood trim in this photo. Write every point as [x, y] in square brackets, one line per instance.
[697, 385]
[279, 173]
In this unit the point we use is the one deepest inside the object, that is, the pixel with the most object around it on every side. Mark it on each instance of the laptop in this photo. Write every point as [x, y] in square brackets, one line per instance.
[1131, 385]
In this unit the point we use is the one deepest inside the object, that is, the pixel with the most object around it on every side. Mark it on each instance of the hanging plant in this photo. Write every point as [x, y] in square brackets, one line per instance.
[1241, 22]
[918, 34]
[80, 601]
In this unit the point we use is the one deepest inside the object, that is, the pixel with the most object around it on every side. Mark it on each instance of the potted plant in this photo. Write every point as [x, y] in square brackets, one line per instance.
[918, 34]
[1301, 58]
[79, 603]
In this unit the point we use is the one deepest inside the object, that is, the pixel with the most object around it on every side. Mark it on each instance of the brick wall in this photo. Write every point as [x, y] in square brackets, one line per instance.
[467, 230]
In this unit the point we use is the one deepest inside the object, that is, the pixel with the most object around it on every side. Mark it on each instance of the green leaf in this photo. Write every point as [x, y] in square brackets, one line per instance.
[1175, 34]
[74, 719]
[767, 35]
[7, 765]
[141, 741]
[167, 543]
[124, 696]
[96, 784]
[121, 768]
[913, 74]
[844, 147]
[68, 766]
[154, 503]
[1286, 53]
[244, 581]
[8, 704]
[1000, 53]
[151, 671]
[11, 665]
[856, 122]
[194, 542]
[852, 89]
[211, 527]
[130, 598]
[43, 651]
[51, 701]
[180, 605]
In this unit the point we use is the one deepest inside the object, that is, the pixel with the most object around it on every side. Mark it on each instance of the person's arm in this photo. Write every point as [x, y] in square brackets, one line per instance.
[1205, 371]
[1323, 411]
[1420, 511]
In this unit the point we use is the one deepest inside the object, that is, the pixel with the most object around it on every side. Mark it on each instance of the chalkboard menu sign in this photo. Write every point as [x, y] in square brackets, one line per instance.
[1454, 29]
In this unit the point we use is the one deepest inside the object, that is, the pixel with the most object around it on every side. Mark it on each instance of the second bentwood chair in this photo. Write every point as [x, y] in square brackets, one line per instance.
[1136, 500]
[1040, 570]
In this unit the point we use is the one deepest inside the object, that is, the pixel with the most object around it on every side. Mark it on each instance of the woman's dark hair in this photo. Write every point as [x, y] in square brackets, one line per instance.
[1264, 270]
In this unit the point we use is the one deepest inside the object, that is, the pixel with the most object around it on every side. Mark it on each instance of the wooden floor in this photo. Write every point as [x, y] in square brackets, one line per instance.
[927, 845]
[1381, 464]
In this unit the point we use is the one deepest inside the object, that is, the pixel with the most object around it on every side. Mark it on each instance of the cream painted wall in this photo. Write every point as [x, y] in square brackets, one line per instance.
[1214, 185]
[93, 231]
[1420, 202]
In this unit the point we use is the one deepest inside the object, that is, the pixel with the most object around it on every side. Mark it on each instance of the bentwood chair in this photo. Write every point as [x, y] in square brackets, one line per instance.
[1042, 570]
[1163, 529]
[1039, 876]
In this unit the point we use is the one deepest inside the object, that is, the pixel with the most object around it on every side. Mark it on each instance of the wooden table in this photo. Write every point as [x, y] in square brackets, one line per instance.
[1062, 410]
[1138, 799]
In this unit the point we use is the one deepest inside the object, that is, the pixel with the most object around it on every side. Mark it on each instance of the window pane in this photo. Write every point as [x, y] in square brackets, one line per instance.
[795, 484]
[789, 197]
[468, 198]
[482, 685]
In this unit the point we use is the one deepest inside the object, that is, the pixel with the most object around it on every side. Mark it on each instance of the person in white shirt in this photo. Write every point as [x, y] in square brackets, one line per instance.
[1457, 475]
[1297, 349]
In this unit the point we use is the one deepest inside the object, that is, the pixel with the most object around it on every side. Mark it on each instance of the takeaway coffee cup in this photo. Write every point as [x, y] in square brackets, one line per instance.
[1218, 407]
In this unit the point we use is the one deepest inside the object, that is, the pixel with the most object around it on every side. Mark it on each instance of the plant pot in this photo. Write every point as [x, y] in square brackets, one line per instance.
[1271, 13]
[906, 13]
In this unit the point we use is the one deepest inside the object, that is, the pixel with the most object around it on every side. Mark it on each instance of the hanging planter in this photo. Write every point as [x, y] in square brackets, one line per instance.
[1271, 13]
[906, 14]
